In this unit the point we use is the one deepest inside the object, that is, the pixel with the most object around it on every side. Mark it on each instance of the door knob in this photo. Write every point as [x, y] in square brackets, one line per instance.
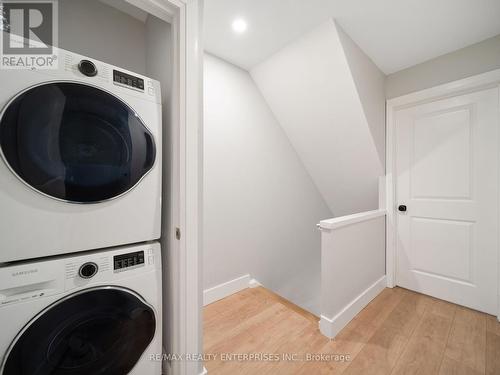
[402, 208]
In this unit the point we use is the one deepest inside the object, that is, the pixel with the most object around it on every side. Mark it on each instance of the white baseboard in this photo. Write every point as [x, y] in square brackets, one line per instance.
[226, 289]
[330, 327]
[254, 283]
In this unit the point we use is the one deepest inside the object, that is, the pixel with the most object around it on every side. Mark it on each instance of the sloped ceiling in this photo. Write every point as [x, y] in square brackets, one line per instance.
[329, 98]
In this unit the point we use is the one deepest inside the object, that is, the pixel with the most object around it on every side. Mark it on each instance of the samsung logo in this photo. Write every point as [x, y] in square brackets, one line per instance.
[26, 272]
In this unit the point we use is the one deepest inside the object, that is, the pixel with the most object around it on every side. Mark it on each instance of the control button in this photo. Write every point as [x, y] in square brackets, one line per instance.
[88, 270]
[87, 68]
[151, 91]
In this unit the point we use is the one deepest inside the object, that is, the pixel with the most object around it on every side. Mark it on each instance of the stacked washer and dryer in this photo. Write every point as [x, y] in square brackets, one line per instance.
[80, 211]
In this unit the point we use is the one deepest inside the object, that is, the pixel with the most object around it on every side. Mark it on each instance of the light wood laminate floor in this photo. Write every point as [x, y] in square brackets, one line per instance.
[399, 332]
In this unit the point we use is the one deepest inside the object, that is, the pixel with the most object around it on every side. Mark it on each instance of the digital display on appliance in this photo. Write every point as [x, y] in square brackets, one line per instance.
[128, 260]
[128, 80]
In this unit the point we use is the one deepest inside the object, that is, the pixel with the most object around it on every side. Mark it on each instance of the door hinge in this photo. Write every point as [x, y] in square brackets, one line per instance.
[178, 233]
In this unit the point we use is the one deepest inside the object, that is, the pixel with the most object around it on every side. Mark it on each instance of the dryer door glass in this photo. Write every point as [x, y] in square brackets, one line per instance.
[75, 142]
[100, 331]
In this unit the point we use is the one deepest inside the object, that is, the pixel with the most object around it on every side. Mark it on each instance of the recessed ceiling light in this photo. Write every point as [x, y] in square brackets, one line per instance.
[240, 25]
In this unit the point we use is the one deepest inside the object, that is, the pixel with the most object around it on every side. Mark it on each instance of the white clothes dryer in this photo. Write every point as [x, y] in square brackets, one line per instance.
[80, 164]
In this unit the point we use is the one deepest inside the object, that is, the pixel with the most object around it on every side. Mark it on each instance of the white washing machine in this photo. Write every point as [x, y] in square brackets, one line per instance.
[89, 313]
[80, 164]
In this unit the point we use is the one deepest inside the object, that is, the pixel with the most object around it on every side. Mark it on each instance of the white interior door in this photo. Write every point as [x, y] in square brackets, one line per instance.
[447, 177]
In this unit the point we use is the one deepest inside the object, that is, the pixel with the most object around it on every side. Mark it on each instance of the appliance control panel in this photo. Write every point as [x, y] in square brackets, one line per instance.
[29, 280]
[123, 262]
[128, 80]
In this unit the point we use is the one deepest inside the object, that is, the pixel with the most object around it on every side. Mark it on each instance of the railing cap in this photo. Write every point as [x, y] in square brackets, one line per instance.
[342, 221]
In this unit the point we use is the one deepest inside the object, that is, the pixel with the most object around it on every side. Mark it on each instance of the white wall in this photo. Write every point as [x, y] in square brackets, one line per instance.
[370, 85]
[261, 206]
[352, 268]
[158, 53]
[310, 88]
[97, 30]
[478, 58]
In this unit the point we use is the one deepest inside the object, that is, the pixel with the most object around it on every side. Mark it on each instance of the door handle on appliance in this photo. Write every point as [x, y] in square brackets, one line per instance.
[402, 208]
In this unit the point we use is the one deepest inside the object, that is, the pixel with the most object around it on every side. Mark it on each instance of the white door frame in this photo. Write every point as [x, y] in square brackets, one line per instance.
[463, 86]
[183, 256]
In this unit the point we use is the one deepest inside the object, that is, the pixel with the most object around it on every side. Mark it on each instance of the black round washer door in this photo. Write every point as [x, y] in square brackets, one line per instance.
[98, 332]
[75, 142]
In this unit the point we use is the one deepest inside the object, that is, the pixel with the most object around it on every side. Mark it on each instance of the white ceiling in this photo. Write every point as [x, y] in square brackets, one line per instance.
[396, 34]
